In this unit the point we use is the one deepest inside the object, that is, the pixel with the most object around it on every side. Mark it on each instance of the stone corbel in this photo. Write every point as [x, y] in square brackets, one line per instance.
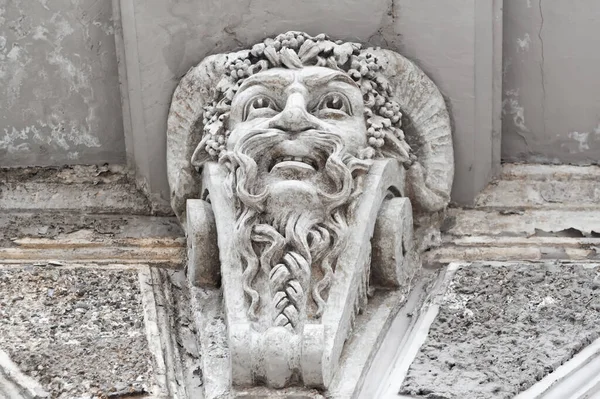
[313, 158]
[382, 226]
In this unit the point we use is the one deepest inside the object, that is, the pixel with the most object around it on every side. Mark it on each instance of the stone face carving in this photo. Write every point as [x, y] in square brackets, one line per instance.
[286, 154]
[296, 162]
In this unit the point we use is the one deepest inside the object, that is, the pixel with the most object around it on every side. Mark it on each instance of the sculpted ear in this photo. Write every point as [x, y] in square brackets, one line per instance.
[200, 155]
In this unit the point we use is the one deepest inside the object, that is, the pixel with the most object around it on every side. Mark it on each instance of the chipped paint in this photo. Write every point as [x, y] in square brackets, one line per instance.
[523, 44]
[581, 139]
[532, 212]
[582, 142]
[550, 95]
[64, 137]
[59, 84]
[107, 28]
[512, 107]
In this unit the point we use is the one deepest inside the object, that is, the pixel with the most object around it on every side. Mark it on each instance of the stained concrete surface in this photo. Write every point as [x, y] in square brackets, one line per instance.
[62, 225]
[92, 189]
[59, 88]
[550, 82]
[78, 332]
[502, 328]
[64, 174]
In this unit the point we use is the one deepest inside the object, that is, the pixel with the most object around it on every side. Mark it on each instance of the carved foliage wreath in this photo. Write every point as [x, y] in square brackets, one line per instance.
[295, 50]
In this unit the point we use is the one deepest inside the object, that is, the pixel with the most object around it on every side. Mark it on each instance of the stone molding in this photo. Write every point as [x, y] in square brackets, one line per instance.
[14, 384]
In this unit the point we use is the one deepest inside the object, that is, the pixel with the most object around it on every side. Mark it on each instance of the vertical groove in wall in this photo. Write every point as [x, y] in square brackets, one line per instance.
[132, 92]
[485, 112]
[498, 25]
[123, 86]
[542, 62]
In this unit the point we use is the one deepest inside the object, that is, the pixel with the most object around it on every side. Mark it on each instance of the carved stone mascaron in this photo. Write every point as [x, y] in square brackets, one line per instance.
[295, 167]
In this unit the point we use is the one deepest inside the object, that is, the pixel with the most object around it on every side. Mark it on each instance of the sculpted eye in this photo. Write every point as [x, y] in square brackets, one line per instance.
[260, 106]
[333, 105]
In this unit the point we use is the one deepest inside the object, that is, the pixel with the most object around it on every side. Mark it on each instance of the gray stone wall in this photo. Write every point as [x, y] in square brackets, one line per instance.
[551, 101]
[59, 88]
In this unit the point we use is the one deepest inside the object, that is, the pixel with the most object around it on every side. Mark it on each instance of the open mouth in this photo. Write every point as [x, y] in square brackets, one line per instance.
[301, 163]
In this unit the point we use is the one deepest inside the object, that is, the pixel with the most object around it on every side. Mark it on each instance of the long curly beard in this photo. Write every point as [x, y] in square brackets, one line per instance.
[289, 254]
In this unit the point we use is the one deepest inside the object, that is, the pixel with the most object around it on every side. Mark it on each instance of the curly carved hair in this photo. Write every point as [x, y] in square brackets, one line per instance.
[295, 50]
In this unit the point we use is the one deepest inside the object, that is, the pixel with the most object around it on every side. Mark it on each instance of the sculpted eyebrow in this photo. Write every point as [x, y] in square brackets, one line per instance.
[310, 81]
[317, 81]
[264, 81]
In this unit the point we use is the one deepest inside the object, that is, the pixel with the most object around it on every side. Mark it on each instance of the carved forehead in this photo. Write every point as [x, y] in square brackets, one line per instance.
[311, 77]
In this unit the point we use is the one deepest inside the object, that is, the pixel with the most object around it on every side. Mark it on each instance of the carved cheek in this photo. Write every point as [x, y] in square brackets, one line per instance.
[352, 130]
[238, 132]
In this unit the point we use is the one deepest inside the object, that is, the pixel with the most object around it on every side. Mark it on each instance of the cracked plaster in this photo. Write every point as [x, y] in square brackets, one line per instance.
[550, 102]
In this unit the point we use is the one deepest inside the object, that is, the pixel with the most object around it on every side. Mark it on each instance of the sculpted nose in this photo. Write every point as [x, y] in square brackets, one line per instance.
[294, 117]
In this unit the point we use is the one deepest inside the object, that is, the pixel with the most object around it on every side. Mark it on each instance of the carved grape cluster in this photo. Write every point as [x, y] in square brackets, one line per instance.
[383, 116]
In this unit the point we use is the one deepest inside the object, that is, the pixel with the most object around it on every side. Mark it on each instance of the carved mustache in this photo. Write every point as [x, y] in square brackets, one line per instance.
[254, 153]
[267, 147]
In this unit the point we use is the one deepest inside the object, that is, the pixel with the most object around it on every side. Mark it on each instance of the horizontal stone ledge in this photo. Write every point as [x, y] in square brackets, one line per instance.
[59, 227]
[72, 174]
[76, 265]
[516, 222]
[170, 257]
[582, 194]
[488, 241]
[543, 186]
[453, 253]
[549, 172]
[83, 188]
[145, 243]
[83, 197]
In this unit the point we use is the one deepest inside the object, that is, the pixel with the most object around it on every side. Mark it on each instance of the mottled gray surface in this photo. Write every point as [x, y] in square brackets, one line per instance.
[502, 328]
[92, 189]
[59, 90]
[551, 107]
[76, 331]
[53, 225]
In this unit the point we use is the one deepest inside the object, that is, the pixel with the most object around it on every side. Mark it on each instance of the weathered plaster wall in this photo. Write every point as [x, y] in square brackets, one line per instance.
[551, 100]
[59, 89]
[458, 47]
[452, 41]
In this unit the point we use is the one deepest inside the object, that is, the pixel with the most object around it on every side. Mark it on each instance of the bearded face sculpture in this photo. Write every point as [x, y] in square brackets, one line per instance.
[295, 137]
[292, 149]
